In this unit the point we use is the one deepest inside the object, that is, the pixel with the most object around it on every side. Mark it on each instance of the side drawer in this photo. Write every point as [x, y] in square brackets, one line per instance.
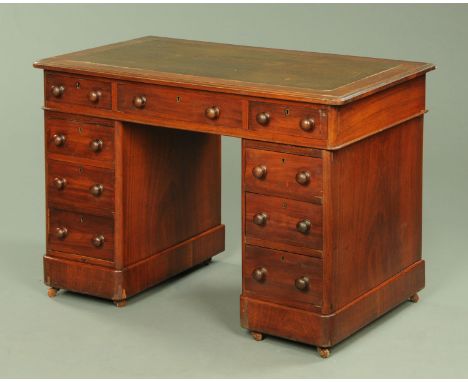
[180, 105]
[287, 221]
[294, 176]
[282, 277]
[77, 187]
[81, 234]
[77, 90]
[299, 120]
[79, 137]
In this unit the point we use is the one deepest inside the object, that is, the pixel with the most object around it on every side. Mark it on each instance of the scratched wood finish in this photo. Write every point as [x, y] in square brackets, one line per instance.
[259, 72]
[282, 270]
[281, 170]
[82, 228]
[174, 178]
[76, 194]
[76, 90]
[79, 133]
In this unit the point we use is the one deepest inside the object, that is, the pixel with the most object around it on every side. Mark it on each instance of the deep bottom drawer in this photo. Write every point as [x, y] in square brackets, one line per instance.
[81, 234]
[282, 277]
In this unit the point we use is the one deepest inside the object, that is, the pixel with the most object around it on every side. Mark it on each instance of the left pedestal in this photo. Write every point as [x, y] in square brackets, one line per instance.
[128, 205]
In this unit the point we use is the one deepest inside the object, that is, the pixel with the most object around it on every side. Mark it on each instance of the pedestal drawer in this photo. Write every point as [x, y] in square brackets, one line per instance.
[79, 137]
[293, 176]
[82, 188]
[282, 277]
[287, 221]
[81, 234]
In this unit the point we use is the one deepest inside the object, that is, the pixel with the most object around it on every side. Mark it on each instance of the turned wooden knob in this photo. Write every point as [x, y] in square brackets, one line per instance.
[96, 145]
[263, 118]
[96, 190]
[212, 112]
[303, 226]
[98, 241]
[139, 102]
[260, 171]
[57, 91]
[94, 96]
[260, 219]
[307, 124]
[302, 283]
[303, 177]
[61, 232]
[60, 183]
[259, 274]
[59, 139]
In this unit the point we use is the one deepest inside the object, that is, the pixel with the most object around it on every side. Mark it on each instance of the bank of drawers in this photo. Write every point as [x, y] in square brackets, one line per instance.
[80, 185]
[283, 226]
[176, 106]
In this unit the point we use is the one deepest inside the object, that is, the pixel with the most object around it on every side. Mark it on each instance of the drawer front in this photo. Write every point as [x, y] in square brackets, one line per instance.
[79, 187]
[81, 234]
[276, 219]
[77, 90]
[170, 104]
[80, 138]
[297, 120]
[294, 176]
[282, 276]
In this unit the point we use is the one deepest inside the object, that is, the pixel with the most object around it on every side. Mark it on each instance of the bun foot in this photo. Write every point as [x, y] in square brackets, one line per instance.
[120, 303]
[207, 262]
[257, 336]
[414, 298]
[324, 352]
[52, 292]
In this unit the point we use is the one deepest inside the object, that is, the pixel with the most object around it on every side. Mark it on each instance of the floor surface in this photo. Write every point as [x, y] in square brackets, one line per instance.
[189, 327]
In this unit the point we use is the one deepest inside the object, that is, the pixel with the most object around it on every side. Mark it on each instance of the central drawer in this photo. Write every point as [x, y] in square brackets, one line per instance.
[180, 105]
[276, 219]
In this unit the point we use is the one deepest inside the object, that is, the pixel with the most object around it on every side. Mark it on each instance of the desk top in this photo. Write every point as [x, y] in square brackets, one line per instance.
[286, 74]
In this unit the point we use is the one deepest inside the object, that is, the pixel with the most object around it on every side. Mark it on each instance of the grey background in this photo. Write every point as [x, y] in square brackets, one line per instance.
[189, 327]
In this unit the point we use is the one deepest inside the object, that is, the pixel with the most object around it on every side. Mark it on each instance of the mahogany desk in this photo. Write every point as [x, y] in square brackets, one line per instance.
[332, 165]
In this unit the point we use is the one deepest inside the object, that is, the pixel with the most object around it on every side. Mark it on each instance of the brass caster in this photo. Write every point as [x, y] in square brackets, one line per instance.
[208, 262]
[257, 336]
[120, 303]
[324, 352]
[52, 292]
[414, 298]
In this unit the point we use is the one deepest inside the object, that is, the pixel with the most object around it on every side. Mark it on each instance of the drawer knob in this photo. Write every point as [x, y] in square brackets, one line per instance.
[263, 118]
[97, 189]
[303, 226]
[303, 177]
[307, 124]
[59, 139]
[94, 96]
[98, 241]
[302, 283]
[61, 232]
[260, 171]
[139, 102]
[212, 112]
[57, 91]
[96, 145]
[259, 274]
[60, 183]
[260, 219]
